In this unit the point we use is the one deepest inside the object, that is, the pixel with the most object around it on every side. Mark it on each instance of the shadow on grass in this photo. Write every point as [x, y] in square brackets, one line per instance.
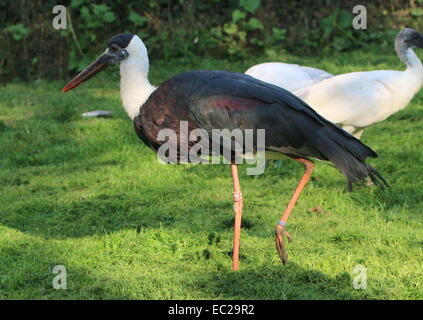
[33, 279]
[109, 213]
[278, 282]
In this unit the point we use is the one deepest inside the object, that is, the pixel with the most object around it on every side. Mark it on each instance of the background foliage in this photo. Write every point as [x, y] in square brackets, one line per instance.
[31, 48]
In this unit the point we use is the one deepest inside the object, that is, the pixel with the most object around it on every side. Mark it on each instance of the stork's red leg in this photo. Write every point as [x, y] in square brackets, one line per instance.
[280, 230]
[238, 214]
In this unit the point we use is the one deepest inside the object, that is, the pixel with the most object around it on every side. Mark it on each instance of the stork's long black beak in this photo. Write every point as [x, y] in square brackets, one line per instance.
[95, 67]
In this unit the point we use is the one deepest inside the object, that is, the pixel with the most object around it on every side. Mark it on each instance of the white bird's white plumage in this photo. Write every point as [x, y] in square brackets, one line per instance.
[288, 76]
[357, 100]
[135, 87]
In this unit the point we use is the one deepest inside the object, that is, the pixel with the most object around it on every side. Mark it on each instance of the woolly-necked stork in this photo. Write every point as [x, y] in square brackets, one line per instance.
[288, 76]
[210, 99]
[357, 100]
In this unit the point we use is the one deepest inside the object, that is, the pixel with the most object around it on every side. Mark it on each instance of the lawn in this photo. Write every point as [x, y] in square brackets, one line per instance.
[87, 194]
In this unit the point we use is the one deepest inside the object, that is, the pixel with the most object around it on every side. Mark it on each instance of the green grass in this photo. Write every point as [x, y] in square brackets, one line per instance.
[86, 193]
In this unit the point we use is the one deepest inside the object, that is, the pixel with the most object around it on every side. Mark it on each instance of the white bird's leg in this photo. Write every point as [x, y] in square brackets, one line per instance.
[238, 215]
[280, 230]
[358, 132]
[349, 129]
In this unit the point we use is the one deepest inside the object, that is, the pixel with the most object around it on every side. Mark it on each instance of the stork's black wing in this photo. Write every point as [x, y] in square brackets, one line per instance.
[209, 99]
[220, 99]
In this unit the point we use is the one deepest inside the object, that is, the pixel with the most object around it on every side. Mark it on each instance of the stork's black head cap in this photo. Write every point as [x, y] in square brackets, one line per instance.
[122, 40]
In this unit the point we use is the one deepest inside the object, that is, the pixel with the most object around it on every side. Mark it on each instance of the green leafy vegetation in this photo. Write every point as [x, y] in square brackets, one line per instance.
[86, 193]
[236, 29]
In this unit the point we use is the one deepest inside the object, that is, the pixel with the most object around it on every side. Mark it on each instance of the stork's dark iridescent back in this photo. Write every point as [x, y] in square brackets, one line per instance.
[210, 99]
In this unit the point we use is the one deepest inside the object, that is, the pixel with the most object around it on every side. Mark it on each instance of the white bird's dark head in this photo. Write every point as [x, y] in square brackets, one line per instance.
[406, 40]
[124, 48]
[409, 38]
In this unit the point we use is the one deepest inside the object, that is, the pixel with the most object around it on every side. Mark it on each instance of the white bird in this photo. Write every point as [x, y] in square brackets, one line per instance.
[288, 76]
[357, 100]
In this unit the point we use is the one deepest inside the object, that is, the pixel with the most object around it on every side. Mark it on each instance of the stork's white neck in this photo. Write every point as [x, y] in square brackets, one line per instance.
[134, 85]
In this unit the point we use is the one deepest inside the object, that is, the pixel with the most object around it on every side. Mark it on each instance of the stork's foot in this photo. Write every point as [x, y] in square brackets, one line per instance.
[280, 233]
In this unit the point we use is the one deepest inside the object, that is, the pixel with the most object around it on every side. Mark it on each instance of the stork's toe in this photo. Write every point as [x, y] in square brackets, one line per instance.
[280, 233]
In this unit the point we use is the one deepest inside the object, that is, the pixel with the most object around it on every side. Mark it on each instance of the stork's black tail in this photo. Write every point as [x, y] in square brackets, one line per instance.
[377, 178]
[324, 139]
[348, 154]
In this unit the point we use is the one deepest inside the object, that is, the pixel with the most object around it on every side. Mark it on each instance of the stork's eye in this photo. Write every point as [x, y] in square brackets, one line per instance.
[114, 48]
